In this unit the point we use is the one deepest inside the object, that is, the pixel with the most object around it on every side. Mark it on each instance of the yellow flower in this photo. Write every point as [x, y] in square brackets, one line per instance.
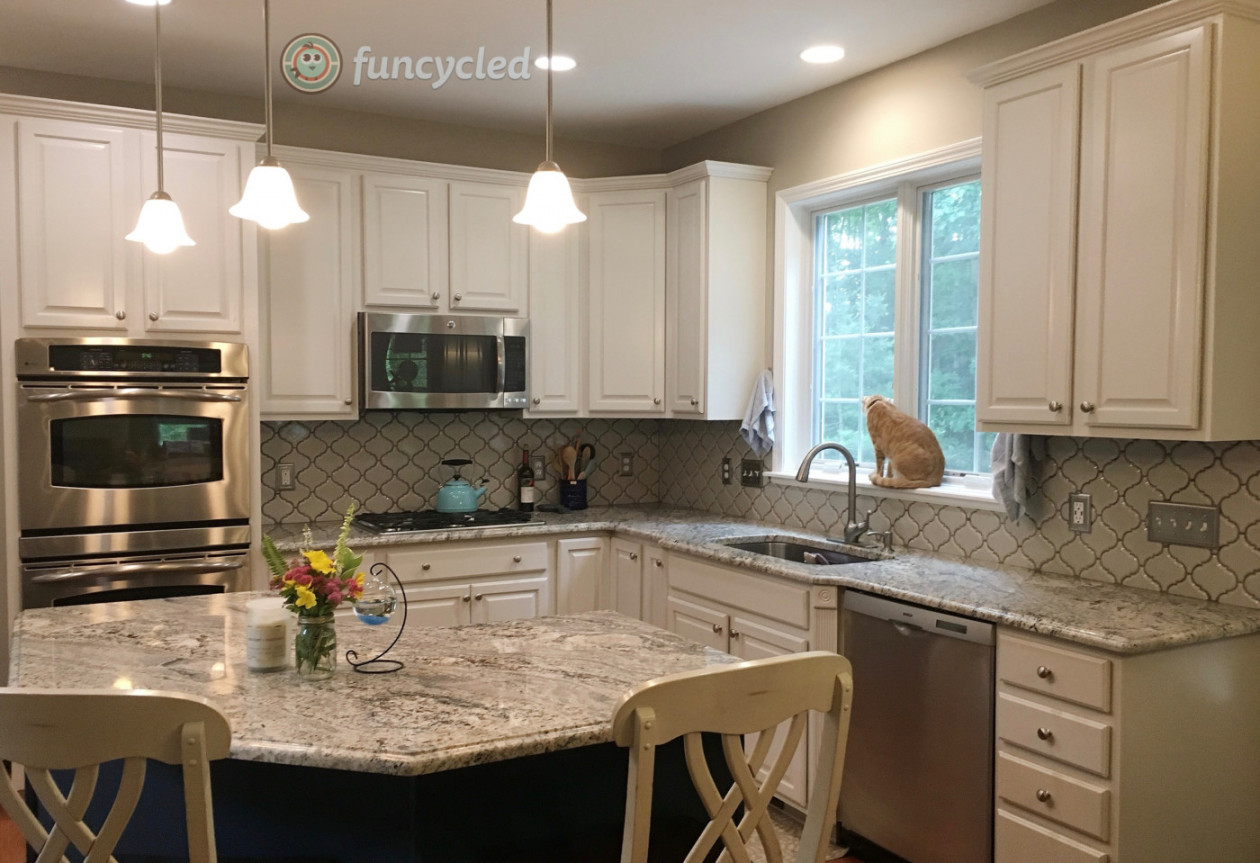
[359, 578]
[320, 562]
[305, 597]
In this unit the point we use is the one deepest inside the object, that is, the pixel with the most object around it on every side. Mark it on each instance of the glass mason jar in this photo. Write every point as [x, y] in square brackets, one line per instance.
[315, 647]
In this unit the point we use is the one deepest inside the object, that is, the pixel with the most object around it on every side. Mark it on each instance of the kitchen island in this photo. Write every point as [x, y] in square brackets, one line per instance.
[498, 718]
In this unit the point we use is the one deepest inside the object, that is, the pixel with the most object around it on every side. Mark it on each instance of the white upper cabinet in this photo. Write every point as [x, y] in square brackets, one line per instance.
[555, 322]
[1117, 297]
[489, 252]
[308, 302]
[405, 247]
[627, 301]
[80, 186]
[715, 289]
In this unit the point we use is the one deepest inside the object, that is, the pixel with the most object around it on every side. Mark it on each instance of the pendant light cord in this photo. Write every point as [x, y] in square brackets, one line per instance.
[267, 63]
[157, 78]
[550, 61]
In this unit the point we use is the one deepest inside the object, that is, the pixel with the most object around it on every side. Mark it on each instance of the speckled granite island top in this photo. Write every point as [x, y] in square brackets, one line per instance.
[468, 695]
[1120, 619]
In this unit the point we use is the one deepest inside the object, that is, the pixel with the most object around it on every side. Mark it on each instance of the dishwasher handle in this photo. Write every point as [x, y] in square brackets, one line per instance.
[914, 620]
[907, 629]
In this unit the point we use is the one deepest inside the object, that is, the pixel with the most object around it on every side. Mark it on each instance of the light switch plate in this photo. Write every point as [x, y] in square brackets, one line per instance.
[284, 476]
[726, 471]
[539, 464]
[627, 464]
[1183, 524]
[752, 473]
[1080, 513]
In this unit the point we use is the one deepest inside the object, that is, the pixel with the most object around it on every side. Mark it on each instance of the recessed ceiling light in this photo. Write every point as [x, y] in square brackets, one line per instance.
[822, 54]
[563, 63]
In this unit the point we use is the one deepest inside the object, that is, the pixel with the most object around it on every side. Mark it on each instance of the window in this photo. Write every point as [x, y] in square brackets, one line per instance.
[879, 295]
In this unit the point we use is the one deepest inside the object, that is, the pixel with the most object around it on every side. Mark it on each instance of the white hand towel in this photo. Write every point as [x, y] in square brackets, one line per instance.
[758, 425]
[1011, 461]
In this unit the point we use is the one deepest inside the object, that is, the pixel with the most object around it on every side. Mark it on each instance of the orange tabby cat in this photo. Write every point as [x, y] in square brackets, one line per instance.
[914, 456]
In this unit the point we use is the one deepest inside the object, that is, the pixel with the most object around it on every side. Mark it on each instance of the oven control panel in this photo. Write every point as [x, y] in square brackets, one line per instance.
[45, 359]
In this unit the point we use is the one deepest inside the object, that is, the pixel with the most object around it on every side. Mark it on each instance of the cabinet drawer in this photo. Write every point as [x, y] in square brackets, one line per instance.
[778, 600]
[1081, 806]
[1071, 739]
[1053, 671]
[443, 560]
[1020, 841]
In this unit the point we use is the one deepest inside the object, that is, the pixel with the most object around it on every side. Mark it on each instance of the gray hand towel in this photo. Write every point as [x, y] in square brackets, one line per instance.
[1011, 461]
[758, 425]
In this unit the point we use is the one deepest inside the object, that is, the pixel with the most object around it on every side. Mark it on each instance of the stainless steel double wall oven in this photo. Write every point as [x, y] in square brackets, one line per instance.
[134, 470]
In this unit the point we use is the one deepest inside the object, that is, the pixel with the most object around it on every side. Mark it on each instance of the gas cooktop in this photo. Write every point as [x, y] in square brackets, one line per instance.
[431, 519]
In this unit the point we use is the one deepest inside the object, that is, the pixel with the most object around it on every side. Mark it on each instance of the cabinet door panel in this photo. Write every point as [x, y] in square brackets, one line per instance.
[198, 288]
[698, 622]
[627, 580]
[405, 256]
[655, 587]
[307, 326]
[439, 605]
[510, 599]
[74, 182]
[1144, 149]
[555, 322]
[687, 298]
[627, 301]
[1028, 257]
[489, 252]
[579, 574]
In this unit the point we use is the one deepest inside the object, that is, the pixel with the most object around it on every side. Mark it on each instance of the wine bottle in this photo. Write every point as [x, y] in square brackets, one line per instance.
[525, 491]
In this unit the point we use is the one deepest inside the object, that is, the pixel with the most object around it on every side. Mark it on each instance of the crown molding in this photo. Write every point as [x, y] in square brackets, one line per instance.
[390, 165]
[710, 168]
[940, 157]
[128, 118]
[1147, 22]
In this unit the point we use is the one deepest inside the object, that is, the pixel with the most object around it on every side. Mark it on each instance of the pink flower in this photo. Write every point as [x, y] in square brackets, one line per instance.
[334, 597]
[303, 578]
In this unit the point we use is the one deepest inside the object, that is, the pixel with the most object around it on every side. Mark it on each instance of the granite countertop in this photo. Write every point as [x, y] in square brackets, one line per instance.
[468, 695]
[1122, 620]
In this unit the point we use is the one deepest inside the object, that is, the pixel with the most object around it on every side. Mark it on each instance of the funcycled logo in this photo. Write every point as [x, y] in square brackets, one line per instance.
[311, 63]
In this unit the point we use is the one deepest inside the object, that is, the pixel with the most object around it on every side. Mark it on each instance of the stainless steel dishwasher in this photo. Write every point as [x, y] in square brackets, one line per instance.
[918, 776]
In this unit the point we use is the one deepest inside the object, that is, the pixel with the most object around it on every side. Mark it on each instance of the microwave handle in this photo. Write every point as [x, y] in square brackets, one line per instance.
[139, 393]
[136, 569]
[501, 377]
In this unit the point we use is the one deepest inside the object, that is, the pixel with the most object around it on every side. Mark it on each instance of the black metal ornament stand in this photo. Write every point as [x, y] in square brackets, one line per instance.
[377, 664]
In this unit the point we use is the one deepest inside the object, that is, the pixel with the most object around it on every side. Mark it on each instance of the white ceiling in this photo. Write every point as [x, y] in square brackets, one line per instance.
[650, 72]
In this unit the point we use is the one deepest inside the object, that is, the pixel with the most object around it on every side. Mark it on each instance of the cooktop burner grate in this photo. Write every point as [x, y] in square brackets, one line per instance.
[431, 519]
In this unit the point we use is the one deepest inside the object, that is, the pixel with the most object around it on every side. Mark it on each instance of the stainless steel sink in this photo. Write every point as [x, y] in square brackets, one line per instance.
[798, 552]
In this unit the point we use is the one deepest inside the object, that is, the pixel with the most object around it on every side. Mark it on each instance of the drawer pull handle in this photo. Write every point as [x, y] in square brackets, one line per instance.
[1043, 796]
[516, 558]
[1044, 672]
[717, 627]
[1045, 734]
[425, 567]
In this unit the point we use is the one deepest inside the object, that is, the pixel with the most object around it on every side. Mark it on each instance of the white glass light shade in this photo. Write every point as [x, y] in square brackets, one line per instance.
[549, 204]
[150, 2]
[160, 226]
[269, 198]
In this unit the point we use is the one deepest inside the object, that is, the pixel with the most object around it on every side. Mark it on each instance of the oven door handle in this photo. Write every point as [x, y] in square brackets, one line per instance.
[132, 393]
[190, 567]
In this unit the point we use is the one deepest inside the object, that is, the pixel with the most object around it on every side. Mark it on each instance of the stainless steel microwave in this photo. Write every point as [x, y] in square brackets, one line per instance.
[442, 362]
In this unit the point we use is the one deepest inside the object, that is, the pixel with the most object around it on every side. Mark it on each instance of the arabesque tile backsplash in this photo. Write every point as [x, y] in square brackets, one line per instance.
[392, 461]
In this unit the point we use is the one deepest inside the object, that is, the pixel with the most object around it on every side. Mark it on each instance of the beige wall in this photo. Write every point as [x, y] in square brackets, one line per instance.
[309, 125]
[918, 104]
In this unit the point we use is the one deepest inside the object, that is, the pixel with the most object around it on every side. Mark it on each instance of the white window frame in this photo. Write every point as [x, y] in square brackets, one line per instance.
[795, 209]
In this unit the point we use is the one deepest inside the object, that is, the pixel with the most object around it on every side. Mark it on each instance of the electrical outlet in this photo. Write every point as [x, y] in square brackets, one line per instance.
[284, 477]
[726, 471]
[1183, 524]
[539, 464]
[1080, 513]
[627, 464]
[752, 473]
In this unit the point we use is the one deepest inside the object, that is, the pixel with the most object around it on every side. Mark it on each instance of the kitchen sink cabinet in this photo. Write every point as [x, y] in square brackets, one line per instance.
[1114, 289]
[80, 273]
[715, 308]
[582, 582]
[1125, 759]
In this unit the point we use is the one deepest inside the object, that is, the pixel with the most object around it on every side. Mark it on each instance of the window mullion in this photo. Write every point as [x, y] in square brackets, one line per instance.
[909, 301]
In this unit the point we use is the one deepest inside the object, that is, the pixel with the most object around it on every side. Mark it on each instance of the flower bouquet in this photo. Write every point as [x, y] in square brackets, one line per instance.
[312, 586]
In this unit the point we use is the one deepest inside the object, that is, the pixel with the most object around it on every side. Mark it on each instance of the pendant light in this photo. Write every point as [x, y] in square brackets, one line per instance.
[269, 198]
[549, 202]
[160, 226]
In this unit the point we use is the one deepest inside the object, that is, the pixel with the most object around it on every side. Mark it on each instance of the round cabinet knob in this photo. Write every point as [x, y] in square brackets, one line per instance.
[1055, 407]
[348, 401]
[425, 567]
[537, 400]
[1044, 672]
[634, 555]
[477, 597]
[516, 558]
[458, 297]
[450, 325]
[153, 316]
[656, 401]
[717, 627]
[1043, 795]
[1045, 734]
[695, 403]
[121, 315]
[437, 295]
[467, 598]
[734, 633]
[659, 563]
[1087, 407]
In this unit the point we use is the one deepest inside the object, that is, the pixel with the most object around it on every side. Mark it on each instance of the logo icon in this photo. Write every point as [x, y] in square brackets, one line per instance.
[311, 63]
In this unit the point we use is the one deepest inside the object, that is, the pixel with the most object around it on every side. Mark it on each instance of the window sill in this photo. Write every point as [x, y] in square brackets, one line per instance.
[952, 494]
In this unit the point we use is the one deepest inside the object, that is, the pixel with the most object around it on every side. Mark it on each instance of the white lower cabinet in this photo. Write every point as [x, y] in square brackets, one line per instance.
[1104, 758]
[752, 617]
[581, 574]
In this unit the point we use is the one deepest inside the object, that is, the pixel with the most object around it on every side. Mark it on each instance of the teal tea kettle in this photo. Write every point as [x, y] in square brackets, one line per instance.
[456, 494]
